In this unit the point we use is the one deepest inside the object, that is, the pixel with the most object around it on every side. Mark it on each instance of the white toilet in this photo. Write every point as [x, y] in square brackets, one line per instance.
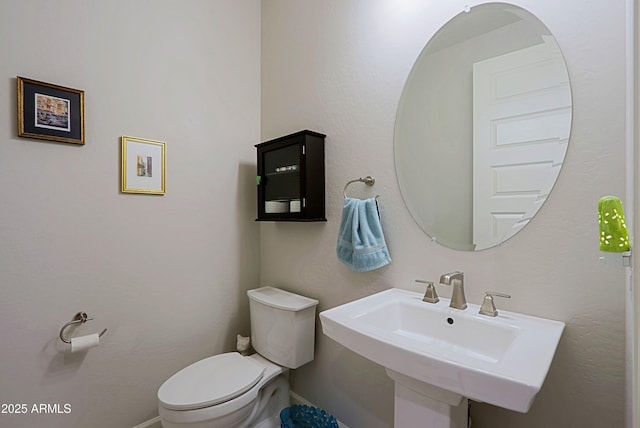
[231, 390]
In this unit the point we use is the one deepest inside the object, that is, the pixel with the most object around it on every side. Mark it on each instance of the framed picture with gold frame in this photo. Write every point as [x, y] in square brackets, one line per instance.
[143, 166]
[50, 112]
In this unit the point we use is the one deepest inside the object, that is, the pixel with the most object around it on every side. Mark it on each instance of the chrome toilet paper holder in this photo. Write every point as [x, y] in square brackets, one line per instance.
[79, 318]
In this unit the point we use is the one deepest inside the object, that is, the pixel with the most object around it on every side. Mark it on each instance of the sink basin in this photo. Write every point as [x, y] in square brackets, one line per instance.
[501, 361]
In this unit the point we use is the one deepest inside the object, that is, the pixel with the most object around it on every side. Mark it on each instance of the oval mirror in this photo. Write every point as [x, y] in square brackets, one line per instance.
[482, 126]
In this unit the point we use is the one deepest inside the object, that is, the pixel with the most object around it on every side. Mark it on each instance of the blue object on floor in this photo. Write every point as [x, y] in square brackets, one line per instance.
[303, 416]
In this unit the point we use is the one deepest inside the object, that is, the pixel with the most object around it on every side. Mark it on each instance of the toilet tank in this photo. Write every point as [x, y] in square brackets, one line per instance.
[282, 326]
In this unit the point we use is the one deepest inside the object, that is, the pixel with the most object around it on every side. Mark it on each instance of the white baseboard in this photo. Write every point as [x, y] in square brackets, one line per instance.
[151, 423]
[297, 399]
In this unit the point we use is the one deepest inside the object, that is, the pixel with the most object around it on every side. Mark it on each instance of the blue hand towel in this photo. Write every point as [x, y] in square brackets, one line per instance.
[361, 244]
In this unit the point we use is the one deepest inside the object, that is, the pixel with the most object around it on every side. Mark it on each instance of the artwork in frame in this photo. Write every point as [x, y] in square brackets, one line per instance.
[143, 166]
[50, 112]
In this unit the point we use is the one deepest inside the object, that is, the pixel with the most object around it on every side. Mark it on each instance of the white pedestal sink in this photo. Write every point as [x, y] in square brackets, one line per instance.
[439, 357]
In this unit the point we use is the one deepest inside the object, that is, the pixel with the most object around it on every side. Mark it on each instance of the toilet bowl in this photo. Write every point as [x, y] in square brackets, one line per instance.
[231, 390]
[259, 394]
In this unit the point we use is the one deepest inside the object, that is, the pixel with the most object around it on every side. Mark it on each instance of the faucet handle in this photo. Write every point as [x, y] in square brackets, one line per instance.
[488, 307]
[430, 295]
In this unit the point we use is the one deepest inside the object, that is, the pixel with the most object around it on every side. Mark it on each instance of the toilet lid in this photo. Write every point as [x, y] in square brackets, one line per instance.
[210, 381]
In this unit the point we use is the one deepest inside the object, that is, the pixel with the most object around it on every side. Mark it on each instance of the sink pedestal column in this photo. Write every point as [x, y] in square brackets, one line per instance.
[419, 404]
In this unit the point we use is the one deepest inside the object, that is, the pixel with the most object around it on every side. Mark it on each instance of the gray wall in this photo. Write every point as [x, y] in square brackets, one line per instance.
[165, 274]
[338, 67]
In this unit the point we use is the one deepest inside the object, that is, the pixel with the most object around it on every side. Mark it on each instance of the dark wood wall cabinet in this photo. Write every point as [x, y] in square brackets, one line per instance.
[291, 178]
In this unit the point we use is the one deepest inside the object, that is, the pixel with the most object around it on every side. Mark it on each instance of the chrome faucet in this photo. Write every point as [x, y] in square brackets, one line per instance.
[458, 300]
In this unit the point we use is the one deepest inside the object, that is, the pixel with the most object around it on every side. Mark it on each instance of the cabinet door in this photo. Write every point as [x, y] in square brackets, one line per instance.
[282, 179]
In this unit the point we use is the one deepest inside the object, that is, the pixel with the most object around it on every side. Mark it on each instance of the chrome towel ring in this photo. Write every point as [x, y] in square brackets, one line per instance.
[368, 180]
[80, 318]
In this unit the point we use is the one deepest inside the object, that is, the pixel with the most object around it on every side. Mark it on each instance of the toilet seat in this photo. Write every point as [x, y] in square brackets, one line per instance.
[211, 381]
[232, 413]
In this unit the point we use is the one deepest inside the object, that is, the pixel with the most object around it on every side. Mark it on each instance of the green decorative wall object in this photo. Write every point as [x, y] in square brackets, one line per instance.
[614, 236]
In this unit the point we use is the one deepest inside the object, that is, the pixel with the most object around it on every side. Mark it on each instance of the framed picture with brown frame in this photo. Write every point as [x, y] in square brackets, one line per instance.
[50, 112]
